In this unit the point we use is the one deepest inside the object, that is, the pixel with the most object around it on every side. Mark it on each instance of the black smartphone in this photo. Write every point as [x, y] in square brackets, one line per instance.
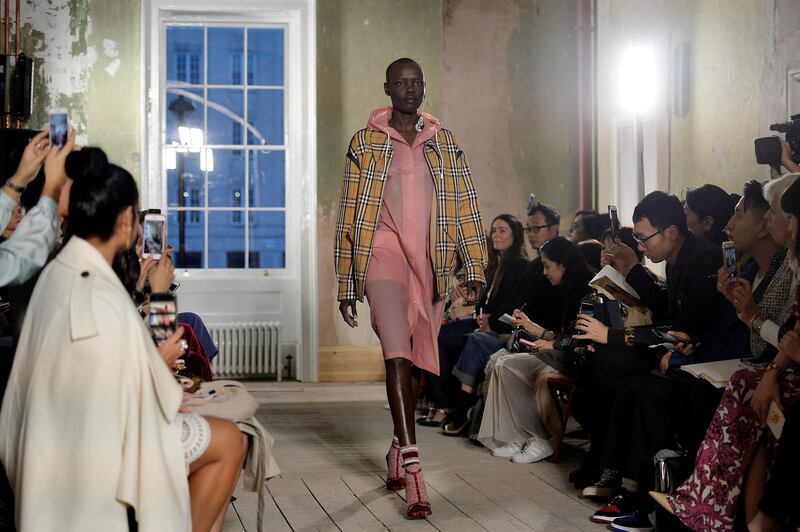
[614, 217]
[173, 287]
[661, 332]
[587, 307]
[163, 318]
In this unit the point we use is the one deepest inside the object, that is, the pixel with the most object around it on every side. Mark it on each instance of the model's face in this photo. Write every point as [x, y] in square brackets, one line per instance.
[502, 237]
[553, 271]
[538, 231]
[745, 228]
[406, 87]
[777, 224]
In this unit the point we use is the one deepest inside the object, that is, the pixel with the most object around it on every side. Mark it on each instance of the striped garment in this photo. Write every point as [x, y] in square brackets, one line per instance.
[456, 228]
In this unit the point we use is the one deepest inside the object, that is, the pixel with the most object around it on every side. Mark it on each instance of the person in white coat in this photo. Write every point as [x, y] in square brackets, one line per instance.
[90, 431]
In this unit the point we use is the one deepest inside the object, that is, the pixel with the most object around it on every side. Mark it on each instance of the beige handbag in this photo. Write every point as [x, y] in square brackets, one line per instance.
[222, 399]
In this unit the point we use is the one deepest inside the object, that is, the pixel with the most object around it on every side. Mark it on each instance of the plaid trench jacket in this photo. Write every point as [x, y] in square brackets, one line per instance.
[456, 228]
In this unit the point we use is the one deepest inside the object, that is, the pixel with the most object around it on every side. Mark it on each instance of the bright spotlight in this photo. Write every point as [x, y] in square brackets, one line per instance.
[637, 79]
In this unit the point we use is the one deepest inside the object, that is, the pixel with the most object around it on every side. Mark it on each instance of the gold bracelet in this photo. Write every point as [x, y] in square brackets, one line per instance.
[772, 365]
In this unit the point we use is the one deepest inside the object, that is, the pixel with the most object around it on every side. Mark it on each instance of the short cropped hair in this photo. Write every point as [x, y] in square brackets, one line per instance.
[662, 210]
[401, 61]
[551, 215]
[753, 195]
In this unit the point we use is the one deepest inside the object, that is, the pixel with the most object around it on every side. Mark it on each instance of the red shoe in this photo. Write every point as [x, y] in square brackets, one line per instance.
[395, 478]
[418, 505]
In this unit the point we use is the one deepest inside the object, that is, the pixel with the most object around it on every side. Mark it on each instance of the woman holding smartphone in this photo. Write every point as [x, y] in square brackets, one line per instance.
[88, 376]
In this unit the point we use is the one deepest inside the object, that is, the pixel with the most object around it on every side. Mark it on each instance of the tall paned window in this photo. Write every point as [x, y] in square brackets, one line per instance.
[225, 145]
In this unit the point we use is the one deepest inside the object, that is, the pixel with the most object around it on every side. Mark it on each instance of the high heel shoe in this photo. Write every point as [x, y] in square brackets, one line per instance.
[418, 505]
[431, 421]
[395, 478]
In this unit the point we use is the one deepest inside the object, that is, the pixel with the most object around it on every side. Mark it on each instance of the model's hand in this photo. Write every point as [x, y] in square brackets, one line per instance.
[473, 291]
[347, 307]
[593, 329]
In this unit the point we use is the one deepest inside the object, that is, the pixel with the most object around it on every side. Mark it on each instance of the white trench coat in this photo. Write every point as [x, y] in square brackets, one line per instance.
[87, 426]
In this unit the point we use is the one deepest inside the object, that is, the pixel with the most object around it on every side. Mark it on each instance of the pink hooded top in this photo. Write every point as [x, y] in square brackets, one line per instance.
[400, 282]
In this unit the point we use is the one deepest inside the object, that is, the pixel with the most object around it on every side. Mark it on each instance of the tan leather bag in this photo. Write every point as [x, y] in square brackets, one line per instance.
[222, 399]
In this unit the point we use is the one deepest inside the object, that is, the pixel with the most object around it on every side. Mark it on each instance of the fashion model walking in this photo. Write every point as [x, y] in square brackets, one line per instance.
[408, 212]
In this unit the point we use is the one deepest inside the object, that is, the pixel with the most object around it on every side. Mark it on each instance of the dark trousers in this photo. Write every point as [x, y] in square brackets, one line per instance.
[477, 351]
[442, 389]
[653, 412]
[782, 492]
[597, 383]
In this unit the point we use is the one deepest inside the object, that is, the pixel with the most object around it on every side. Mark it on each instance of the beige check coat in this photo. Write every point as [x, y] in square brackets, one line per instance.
[456, 228]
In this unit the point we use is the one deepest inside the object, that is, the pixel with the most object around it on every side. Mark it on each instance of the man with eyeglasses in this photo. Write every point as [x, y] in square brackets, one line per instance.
[644, 415]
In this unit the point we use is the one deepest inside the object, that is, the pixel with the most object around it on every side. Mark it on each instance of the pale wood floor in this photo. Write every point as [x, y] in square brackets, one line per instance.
[330, 442]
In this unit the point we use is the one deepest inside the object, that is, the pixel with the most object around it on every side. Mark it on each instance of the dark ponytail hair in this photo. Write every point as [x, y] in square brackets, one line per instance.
[577, 274]
[100, 192]
[710, 200]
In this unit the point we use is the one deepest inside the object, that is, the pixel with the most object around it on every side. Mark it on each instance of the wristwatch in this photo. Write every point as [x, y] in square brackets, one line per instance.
[756, 325]
[15, 188]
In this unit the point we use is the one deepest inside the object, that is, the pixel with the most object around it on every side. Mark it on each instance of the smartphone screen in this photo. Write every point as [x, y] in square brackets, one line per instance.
[173, 287]
[163, 316]
[587, 308]
[614, 217]
[59, 127]
[153, 235]
[729, 257]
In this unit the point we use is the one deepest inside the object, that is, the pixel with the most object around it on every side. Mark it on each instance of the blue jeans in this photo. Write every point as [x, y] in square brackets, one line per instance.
[476, 353]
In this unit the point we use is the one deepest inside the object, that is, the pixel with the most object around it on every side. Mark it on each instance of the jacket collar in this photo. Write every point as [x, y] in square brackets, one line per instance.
[81, 256]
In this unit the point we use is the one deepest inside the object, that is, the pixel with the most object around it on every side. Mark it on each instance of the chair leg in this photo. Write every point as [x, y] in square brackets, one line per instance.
[564, 413]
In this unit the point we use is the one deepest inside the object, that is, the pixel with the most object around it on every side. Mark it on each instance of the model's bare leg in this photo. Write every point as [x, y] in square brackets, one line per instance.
[399, 390]
[212, 477]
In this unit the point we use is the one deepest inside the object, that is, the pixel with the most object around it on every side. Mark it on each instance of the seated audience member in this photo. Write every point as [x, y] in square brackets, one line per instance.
[588, 225]
[708, 208]
[727, 462]
[88, 376]
[507, 264]
[24, 254]
[534, 292]
[514, 422]
[689, 300]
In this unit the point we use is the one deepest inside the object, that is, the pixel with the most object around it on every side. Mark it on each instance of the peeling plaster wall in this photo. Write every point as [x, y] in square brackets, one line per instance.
[356, 40]
[510, 95]
[88, 55]
[740, 51]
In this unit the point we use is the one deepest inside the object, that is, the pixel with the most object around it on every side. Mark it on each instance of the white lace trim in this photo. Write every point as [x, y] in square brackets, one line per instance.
[195, 437]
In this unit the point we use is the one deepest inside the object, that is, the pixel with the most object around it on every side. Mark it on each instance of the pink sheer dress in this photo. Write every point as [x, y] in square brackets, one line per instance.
[400, 283]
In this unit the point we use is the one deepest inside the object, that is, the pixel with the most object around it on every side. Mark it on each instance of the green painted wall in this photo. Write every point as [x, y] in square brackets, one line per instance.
[356, 39]
[88, 55]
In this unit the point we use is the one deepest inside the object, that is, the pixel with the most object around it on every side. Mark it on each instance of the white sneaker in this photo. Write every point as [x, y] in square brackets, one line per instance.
[533, 450]
[508, 450]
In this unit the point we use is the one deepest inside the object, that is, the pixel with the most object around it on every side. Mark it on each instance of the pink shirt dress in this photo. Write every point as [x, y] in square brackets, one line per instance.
[400, 284]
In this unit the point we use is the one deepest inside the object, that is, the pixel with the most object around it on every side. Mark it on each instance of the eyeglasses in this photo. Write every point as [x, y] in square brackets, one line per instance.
[537, 228]
[641, 241]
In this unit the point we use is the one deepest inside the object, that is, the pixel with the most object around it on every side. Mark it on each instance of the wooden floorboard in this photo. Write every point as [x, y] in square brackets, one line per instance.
[331, 454]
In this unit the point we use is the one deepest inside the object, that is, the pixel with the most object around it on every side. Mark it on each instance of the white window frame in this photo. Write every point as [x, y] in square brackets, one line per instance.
[299, 19]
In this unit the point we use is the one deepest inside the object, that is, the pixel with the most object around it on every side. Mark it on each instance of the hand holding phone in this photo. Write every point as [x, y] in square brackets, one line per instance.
[154, 235]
